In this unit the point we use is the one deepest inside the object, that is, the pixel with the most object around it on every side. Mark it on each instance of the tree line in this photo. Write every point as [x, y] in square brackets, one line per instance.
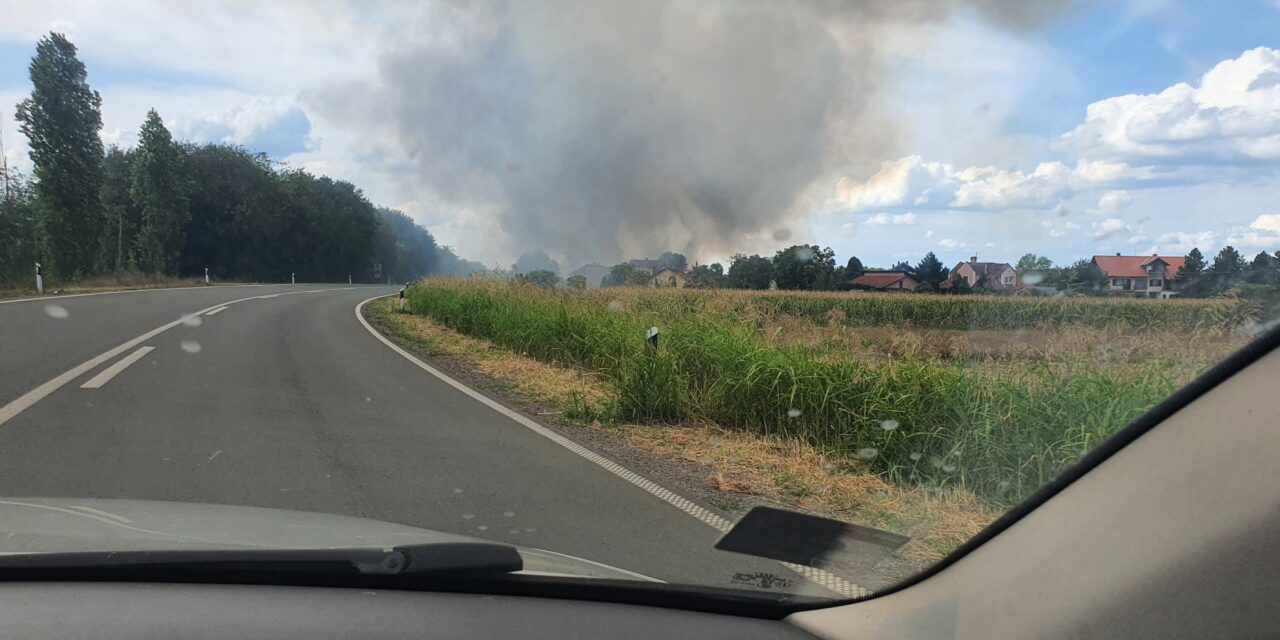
[173, 208]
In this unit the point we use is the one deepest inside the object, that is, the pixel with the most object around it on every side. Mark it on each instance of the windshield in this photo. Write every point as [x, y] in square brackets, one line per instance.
[595, 279]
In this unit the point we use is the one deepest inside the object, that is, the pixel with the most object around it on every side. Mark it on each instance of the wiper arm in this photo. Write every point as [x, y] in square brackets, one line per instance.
[443, 558]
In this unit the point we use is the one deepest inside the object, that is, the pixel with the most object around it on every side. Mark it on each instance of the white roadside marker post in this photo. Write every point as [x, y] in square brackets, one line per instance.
[206, 275]
[652, 337]
[292, 279]
[402, 296]
[348, 278]
[39, 280]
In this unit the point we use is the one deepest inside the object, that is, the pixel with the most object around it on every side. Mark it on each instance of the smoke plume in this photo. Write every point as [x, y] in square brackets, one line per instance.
[604, 129]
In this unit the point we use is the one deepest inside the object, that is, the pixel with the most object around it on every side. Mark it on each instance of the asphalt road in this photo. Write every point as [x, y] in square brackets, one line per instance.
[289, 402]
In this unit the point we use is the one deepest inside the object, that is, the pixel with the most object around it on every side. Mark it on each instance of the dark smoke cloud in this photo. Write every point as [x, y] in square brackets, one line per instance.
[603, 129]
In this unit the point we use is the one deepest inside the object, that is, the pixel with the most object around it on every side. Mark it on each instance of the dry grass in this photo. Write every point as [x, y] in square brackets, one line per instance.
[125, 281]
[775, 470]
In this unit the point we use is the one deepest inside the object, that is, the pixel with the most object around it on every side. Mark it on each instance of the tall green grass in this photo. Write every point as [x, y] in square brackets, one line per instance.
[916, 420]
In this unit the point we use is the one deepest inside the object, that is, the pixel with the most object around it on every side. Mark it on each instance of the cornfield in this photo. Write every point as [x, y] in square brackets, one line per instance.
[917, 420]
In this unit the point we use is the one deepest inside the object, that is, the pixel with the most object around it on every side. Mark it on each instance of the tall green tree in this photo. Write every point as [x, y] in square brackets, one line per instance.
[1263, 260]
[1083, 276]
[618, 275]
[673, 260]
[930, 272]
[122, 217]
[803, 266]
[1032, 263]
[1193, 266]
[61, 120]
[160, 191]
[853, 268]
[18, 251]
[706, 276]
[1228, 263]
[750, 272]
[543, 278]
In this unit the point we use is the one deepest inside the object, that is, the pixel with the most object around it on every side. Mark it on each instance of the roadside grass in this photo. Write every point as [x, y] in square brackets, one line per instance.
[123, 281]
[998, 430]
[741, 465]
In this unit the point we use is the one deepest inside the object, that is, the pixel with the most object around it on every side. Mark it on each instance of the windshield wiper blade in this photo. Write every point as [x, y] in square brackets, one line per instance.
[468, 558]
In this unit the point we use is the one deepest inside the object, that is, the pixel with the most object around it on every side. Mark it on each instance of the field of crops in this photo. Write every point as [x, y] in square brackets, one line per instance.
[998, 426]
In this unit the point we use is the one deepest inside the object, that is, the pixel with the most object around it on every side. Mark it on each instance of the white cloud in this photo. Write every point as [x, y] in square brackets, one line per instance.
[1267, 222]
[1059, 228]
[913, 182]
[908, 181]
[1262, 233]
[886, 218]
[1232, 116]
[1181, 242]
[928, 233]
[952, 243]
[1112, 201]
[1108, 227]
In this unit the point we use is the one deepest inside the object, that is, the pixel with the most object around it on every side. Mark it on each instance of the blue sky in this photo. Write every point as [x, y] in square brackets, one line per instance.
[1140, 126]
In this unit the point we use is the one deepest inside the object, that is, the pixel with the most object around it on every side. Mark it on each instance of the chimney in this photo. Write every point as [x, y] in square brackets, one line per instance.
[1155, 255]
[973, 259]
[1117, 254]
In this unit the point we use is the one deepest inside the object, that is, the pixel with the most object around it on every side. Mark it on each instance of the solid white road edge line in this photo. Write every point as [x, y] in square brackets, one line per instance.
[112, 371]
[23, 402]
[823, 578]
[216, 311]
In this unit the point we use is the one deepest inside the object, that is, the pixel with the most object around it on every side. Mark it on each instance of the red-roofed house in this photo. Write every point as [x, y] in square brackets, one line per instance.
[893, 281]
[1140, 276]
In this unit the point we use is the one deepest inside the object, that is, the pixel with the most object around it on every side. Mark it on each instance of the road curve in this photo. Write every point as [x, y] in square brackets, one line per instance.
[283, 399]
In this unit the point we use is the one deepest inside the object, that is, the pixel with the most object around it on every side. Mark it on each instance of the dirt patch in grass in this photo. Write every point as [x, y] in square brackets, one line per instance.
[732, 470]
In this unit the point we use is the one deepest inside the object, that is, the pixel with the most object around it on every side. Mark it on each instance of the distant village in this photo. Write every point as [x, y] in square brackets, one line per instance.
[809, 267]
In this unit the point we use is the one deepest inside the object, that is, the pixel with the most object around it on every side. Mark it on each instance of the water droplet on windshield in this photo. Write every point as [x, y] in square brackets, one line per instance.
[508, 514]
[804, 254]
[192, 320]
[529, 529]
[793, 413]
[935, 461]
[867, 453]
[1032, 278]
[468, 516]
[948, 468]
[715, 442]
[368, 399]
[457, 490]
[889, 425]
[1004, 485]
[878, 495]
[616, 305]
[483, 528]
[782, 234]
[514, 531]
[915, 456]
[191, 346]
[56, 311]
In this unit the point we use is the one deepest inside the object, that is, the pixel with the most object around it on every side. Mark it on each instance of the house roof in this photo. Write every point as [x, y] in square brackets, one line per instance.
[880, 279]
[668, 270]
[992, 271]
[1136, 266]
